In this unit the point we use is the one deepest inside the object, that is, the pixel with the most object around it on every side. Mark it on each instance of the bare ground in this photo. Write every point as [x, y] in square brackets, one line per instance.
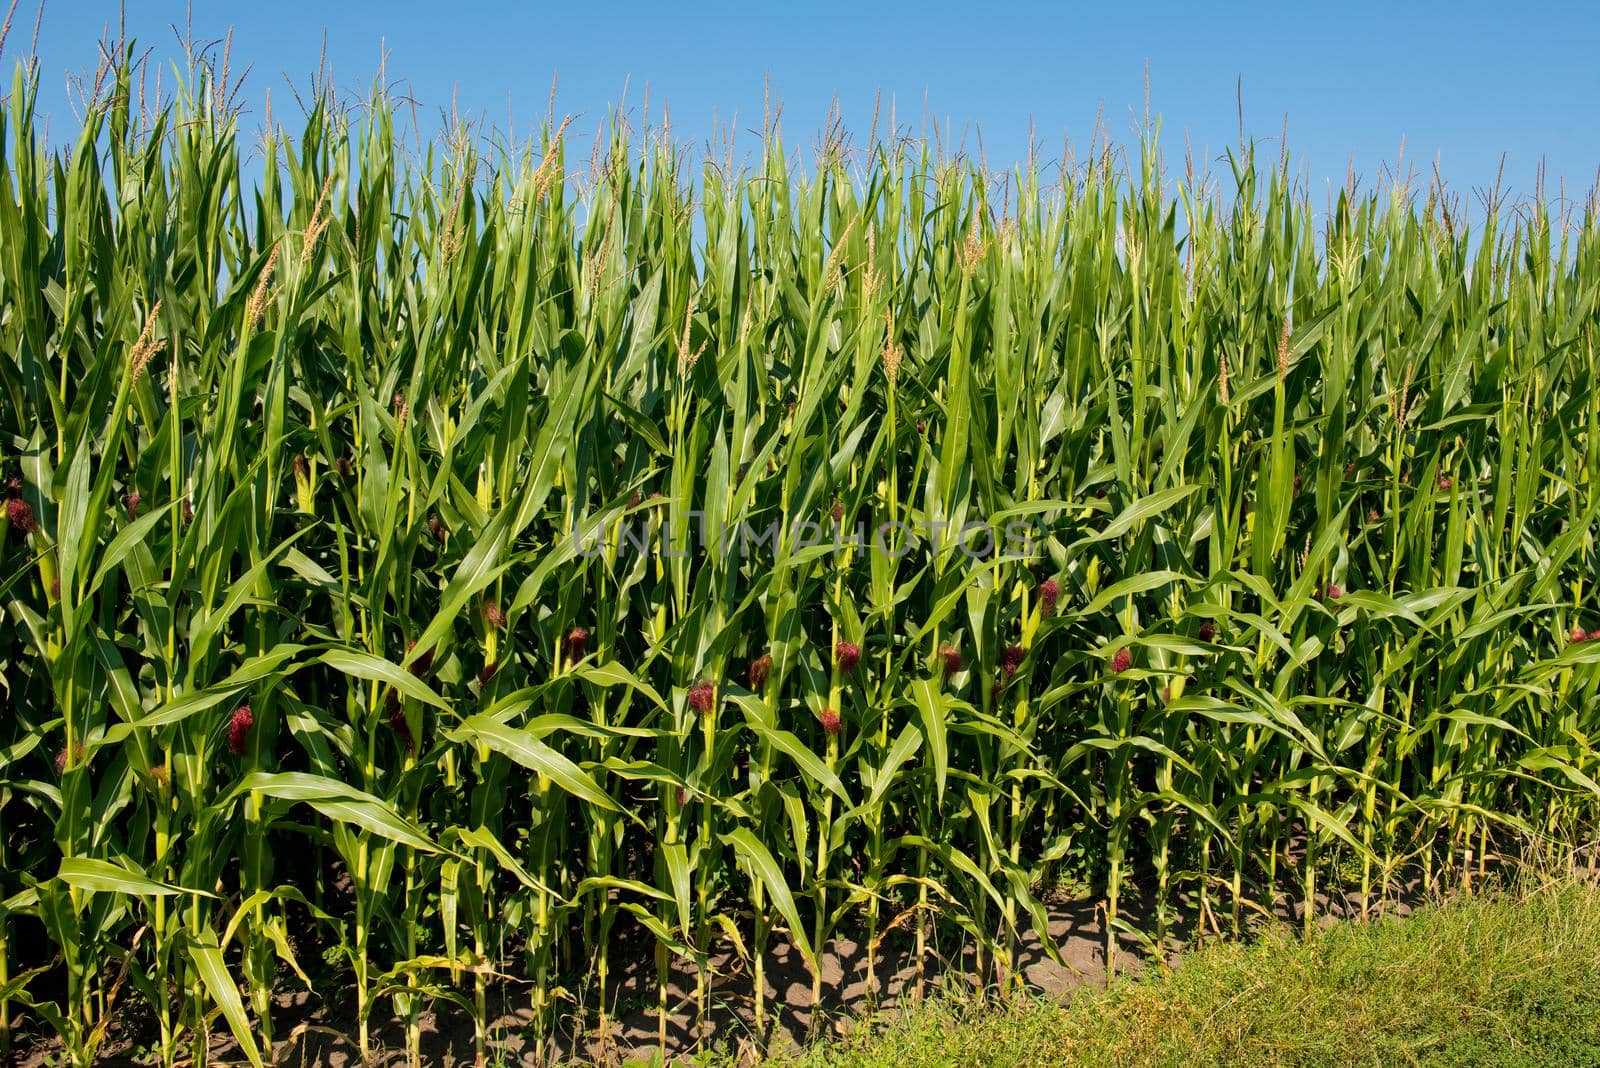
[314, 1032]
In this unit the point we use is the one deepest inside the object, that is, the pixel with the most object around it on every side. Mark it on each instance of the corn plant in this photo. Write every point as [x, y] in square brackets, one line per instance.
[433, 559]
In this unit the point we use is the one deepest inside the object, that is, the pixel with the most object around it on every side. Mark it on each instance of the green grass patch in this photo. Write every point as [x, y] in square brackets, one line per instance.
[1505, 979]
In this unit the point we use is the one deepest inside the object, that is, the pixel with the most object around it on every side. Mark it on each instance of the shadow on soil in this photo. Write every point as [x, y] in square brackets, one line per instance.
[320, 1031]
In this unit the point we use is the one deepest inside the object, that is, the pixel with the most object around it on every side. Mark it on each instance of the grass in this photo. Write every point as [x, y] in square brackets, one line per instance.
[1508, 978]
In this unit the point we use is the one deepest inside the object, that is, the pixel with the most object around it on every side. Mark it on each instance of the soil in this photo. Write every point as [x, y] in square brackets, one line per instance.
[315, 1031]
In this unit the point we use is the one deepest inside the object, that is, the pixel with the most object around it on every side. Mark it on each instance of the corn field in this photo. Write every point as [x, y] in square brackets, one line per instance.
[358, 617]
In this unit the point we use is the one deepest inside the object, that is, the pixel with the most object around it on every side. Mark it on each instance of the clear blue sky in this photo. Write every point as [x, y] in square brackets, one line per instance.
[1463, 82]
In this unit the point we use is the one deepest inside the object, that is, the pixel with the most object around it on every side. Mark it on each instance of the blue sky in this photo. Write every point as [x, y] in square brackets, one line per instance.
[1459, 82]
